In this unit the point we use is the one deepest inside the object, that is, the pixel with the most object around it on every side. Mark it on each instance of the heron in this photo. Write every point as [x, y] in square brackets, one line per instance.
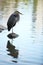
[13, 19]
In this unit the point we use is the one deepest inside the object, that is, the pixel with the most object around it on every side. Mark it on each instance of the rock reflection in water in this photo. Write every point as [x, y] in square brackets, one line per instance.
[12, 51]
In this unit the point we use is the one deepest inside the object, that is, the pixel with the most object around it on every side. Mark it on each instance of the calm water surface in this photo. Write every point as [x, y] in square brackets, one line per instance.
[27, 48]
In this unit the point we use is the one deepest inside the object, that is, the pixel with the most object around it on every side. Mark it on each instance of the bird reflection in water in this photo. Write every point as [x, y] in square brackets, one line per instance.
[12, 51]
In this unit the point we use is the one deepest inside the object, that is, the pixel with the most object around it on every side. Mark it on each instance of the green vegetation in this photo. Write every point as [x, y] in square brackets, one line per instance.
[7, 3]
[35, 2]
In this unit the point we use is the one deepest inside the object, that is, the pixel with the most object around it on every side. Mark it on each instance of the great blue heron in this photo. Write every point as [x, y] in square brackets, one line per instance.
[13, 19]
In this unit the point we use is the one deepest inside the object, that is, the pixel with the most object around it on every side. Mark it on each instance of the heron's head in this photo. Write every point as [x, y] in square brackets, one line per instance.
[17, 12]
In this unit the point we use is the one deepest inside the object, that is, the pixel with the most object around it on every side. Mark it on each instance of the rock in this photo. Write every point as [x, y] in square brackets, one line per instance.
[12, 35]
[2, 28]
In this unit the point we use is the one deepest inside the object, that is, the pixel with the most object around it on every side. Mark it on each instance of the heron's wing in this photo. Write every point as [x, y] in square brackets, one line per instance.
[17, 17]
[11, 20]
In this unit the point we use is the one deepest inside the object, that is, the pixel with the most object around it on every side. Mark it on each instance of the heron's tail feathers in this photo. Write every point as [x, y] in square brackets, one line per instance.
[8, 29]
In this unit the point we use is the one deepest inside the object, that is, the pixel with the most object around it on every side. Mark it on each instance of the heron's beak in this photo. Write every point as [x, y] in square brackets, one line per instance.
[20, 13]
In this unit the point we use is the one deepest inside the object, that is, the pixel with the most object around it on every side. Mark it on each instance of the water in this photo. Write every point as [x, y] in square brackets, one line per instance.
[27, 48]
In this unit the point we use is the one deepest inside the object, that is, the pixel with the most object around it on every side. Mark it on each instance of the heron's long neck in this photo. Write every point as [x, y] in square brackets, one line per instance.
[17, 17]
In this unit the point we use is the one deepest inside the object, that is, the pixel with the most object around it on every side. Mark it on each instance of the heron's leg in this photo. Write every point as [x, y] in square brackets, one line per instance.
[12, 30]
[12, 41]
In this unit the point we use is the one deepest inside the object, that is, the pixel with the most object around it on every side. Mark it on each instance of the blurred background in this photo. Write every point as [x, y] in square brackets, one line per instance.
[27, 48]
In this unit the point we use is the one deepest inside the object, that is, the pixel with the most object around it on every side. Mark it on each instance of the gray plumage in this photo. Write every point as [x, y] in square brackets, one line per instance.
[13, 19]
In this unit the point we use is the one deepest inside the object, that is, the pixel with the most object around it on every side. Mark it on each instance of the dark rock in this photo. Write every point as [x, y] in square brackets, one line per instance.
[2, 28]
[12, 35]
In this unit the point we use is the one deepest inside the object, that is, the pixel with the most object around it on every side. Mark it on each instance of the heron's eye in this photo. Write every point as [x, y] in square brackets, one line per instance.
[15, 15]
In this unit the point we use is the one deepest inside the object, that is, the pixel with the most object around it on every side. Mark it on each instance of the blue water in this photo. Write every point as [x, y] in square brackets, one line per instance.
[29, 43]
